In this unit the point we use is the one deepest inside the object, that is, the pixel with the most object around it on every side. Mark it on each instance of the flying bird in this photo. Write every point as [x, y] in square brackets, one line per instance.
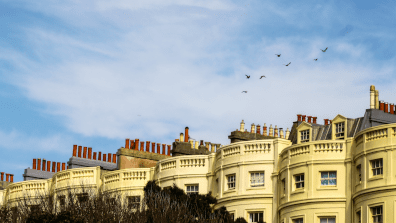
[278, 55]
[287, 64]
[316, 59]
[244, 91]
[247, 76]
[262, 76]
[324, 50]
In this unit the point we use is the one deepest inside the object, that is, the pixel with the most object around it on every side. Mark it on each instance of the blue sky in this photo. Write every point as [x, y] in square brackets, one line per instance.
[93, 73]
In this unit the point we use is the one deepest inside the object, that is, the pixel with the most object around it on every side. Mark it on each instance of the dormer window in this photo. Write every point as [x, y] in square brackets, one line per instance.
[305, 136]
[339, 130]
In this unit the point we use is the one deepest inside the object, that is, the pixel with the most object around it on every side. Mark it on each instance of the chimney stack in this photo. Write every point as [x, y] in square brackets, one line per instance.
[48, 166]
[109, 157]
[314, 119]
[303, 118]
[276, 131]
[252, 128]
[100, 156]
[136, 144]
[7, 177]
[372, 97]
[34, 164]
[74, 150]
[53, 167]
[44, 163]
[382, 105]
[169, 150]
[142, 146]
[386, 107]
[57, 166]
[271, 130]
[163, 149]
[309, 119]
[79, 151]
[94, 156]
[181, 137]
[186, 135]
[104, 157]
[2, 176]
[85, 152]
[89, 153]
[258, 129]
[127, 144]
[265, 130]
[12, 178]
[201, 142]
[392, 108]
[299, 118]
[242, 127]
[325, 121]
[158, 148]
[63, 166]
[132, 146]
[147, 146]
[377, 100]
[114, 158]
[38, 164]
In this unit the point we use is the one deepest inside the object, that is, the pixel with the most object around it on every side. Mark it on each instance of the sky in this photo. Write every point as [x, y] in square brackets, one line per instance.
[93, 73]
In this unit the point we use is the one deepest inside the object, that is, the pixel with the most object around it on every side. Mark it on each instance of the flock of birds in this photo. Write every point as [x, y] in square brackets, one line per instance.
[278, 55]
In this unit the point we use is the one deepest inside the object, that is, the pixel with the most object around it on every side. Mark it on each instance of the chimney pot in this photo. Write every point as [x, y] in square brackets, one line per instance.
[142, 146]
[382, 105]
[163, 149]
[74, 150]
[158, 148]
[7, 177]
[38, 164]
[186, 138]
[114, 158]
[299, 117]
[100, 156]
[169, 150]
[57, 166]
[89, 153]
[325, 121]
[79, 151]
[12, 178]
[153, 147]
[309, 119]
[386, 107]
[147, 146]
[109, 157]
[259, 129]
[85, 152]
[34, 164]
[314, 119]
[132, 146]
[44, 163]
[48, 166]
[104, 157]
[303, 118]
[53, 167]
[265, 130]
[392, 108]
[136, 144]
[127, 144]
[94, 155]
[2, 176]
[63, 166]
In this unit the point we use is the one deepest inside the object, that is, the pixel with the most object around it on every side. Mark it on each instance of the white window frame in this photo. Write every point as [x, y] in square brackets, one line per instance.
[299, 181]
[377, 166]
[327, 219]
[254, 216]
[304, 135]
[192, 189]
[328, 178]
[231, 181]
[257, 179]
[377, 214]
[340, 130]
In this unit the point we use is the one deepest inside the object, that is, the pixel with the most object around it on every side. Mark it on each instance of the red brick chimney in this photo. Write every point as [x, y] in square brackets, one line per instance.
[127, 144]
[386, 107]
[85, 152]
[34, 164]
[147, 146]
[53, 166]
[153, 147]
[142, 146]
[136, 144]
[109, 157]
[2, 176]
[7, 177]
[48, 166]
[74, 150]
[169, 150]
[104, 157]
[94, 156]
[12, 178]
[158, 148]
[44, 163]
[163, 149]
[89, 153]
[57, 166]
[392, 108]
[314, 119]
[100, 156]
[303, 118]
[114, 158]
[63, 166]
[382, 105]
[325, 121]
[38, 164]
[79, 151]
[309, 119]
[299, 117]
[186, 134]
[132, 144]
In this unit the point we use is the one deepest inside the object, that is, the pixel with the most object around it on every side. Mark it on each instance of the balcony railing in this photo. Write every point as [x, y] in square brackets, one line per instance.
[183, 162]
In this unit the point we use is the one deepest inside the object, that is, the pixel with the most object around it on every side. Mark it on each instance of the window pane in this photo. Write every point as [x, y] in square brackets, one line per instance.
[323, 220]
[333, 182]
[325, 182]
[325, 174]
[333, 174]
[302, 177]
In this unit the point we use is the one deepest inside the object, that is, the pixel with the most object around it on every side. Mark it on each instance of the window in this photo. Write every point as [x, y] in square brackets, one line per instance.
[359, 171]
[82, 197]
[284, 186]
[299, 181]
[328, 178]
[327, 220]
[192, 189]
[62, 199]
[255, 217]
[339, 131]
[376, 213]
[133, 202]
[257, 179]
[232, 216]
[376, 166]
[358, 217]
[305, 136]
[231, 181]
[298, 220]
